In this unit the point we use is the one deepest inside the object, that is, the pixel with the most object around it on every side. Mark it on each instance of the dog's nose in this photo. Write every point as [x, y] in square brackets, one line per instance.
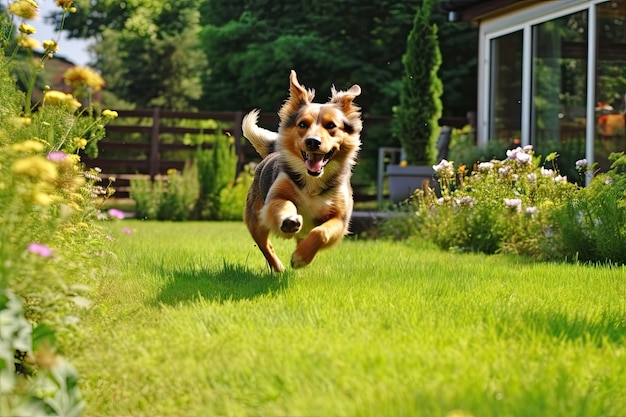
[312, 144]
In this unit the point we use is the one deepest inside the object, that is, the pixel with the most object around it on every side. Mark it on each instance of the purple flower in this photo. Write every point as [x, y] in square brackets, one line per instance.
[127, 231]
[40, 249]
[118, 214]
[57, 156]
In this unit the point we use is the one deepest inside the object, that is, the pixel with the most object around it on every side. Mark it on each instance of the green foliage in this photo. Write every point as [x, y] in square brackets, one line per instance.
[51, 245]
[216, 171]
[148, 50]
[206, 188]
[415, 120]
[502, 206]
[592, 226]
[170, 198]
[517, 206]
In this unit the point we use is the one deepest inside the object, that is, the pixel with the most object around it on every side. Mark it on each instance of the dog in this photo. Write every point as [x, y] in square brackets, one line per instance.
[301, 188]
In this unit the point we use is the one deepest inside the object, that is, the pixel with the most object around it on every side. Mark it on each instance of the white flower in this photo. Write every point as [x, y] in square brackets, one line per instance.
[485, 166]
[528, 148]
[444, 168]
[532, 177]
[532, 210]
[581, 163]
[503, 171]
[546, 172]
[513, 203]
[466, 201]
[560, 178]
[519, 155]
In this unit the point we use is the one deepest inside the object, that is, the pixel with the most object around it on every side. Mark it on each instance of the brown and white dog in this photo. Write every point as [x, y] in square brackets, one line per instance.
[301, 188]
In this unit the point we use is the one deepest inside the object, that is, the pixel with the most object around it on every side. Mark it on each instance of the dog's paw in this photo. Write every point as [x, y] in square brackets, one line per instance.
[291, 224]
[298, 261]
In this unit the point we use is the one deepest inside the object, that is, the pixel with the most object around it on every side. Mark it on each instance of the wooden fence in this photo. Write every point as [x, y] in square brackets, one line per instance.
[147, 143]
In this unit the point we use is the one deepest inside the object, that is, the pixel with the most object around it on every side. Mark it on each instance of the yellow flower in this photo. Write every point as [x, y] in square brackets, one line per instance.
[65, 4]
[26, 9]
[27, 29]
[403, 163]
[83, 76]
[81, 142]
[59, 98]
[21, 121]
[28, 146]
[73, 158]
[28, 43]
[36, 167]
[50, 46]
[109, 114]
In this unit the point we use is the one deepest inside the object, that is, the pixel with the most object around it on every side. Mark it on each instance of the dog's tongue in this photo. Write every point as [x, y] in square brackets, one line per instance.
[315, 162]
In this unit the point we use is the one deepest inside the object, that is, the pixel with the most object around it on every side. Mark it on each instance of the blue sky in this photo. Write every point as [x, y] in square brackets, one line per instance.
[72, 50]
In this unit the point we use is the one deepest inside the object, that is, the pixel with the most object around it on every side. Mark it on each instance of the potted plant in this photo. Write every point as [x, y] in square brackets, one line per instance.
[415, 120]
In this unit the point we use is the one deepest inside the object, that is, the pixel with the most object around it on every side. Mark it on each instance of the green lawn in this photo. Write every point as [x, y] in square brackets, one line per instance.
[190, 323]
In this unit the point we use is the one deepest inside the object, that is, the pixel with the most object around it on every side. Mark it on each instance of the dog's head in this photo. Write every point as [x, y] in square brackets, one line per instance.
[320, 137]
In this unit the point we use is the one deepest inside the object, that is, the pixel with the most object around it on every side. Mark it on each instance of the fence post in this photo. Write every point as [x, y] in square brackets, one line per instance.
[154, 157]
[238, 134]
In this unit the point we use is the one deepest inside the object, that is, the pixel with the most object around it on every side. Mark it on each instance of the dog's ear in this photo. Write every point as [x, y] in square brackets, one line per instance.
[298, 97]
[345, 98]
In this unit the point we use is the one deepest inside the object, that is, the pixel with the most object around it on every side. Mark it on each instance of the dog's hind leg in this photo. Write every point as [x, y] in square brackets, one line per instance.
[261, 237]
[320, 237]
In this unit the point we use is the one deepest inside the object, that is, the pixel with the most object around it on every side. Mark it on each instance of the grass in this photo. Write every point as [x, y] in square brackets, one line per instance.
[190, 323]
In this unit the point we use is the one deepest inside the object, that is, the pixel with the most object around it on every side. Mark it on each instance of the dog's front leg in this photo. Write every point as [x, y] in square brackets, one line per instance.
[282, 217]
[320, 237]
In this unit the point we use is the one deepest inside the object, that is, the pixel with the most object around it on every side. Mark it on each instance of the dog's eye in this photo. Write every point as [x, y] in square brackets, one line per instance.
[303, 125]
[330, 125]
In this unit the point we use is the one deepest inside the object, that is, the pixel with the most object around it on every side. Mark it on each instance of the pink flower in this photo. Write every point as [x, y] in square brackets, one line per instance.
[57, 156]
[40, 249]
[127, 231]
[118, 214]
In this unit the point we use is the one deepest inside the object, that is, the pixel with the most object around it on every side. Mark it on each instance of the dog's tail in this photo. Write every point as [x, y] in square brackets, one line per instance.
[263, 140]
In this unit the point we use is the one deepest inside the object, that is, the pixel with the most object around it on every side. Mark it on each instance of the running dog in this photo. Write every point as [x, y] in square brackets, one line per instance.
[301, 188]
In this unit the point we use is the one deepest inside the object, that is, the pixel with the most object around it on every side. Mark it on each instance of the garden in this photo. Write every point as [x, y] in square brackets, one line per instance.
[497, 292]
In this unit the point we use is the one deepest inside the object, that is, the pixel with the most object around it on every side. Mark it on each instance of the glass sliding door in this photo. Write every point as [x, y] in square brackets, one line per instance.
[610, 81]
[506, 88]
[559, 89]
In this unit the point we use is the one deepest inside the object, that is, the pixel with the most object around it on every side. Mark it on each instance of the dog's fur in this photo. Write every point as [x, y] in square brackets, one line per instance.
[301, 188]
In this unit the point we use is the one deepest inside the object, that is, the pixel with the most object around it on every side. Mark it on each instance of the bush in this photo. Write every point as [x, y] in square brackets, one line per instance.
[51, 245]
[519, 206]
[205, 190]
[502, 206]
[592, 226]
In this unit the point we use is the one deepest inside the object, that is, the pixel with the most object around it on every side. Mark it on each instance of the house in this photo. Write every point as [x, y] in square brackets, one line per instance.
[552, 73]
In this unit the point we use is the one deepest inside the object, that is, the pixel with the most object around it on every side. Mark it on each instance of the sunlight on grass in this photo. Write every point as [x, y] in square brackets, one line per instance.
[193, 324]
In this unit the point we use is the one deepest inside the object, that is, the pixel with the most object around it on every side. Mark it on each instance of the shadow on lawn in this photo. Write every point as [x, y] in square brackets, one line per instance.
[230, 282]
[609, 328]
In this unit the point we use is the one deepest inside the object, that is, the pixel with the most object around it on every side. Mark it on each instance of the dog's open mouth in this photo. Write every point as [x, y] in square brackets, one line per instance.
[315, 162]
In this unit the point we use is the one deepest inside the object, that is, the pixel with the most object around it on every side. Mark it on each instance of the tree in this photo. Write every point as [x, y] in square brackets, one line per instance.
[252, 46]
[415, 120]
[148, 50]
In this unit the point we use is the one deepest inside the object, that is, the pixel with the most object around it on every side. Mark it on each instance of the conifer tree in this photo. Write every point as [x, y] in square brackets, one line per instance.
[415, 120]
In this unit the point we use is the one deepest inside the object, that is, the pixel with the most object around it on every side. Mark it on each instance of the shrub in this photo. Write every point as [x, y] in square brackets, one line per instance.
[592, 225]
[415, 120]
[51, 245]
[501, 206]
[204, 190]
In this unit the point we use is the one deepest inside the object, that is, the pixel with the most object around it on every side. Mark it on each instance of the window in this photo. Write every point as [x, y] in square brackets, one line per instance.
[559, 89]
[610, 86]
[506, 92]
[555, 77]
